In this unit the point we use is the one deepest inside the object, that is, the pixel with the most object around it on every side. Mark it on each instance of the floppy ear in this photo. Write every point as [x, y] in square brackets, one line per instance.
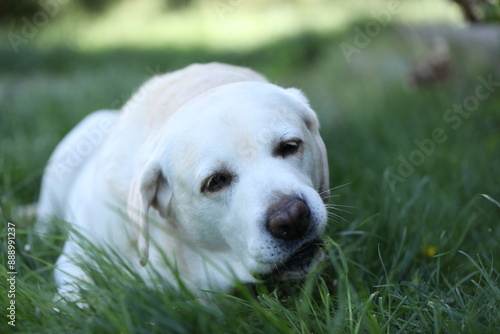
[324, 190]
[149, 188]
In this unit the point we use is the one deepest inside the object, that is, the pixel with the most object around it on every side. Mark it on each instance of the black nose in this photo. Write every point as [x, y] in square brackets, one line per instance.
[288, 219]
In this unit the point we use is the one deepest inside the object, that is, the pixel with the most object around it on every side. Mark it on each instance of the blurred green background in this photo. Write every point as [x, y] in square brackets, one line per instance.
[383, 76]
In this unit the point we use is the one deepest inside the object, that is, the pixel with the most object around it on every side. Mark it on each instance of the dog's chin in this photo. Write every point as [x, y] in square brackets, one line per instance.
[299, 263]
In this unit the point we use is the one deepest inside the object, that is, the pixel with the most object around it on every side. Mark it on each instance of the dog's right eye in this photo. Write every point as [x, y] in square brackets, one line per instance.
[216, 182]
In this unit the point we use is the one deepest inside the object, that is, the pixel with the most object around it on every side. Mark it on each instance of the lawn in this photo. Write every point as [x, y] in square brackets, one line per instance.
[414, 231]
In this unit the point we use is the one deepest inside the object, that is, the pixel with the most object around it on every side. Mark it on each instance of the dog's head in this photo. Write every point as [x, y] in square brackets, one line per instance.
[241, 169]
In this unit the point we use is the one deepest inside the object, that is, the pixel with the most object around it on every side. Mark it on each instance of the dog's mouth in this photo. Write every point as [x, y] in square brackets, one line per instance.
[301, 261]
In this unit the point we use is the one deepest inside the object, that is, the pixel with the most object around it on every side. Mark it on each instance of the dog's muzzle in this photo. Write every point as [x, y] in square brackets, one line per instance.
[299, 264]
[289, 219]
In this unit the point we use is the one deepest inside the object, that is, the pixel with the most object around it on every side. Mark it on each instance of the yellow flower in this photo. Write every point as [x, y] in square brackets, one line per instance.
[429, 251]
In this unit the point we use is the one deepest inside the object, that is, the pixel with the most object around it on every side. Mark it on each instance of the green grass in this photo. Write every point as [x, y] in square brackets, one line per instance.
[420, 258]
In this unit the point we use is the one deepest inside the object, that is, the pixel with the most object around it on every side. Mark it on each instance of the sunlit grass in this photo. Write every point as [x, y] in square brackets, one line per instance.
[225, 25]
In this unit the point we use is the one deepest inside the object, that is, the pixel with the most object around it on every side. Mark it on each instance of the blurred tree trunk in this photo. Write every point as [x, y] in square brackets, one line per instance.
[476, 11]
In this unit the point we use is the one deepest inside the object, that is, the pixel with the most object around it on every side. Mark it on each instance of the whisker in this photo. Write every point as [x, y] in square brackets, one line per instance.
[340, 186]
[340, 206]
[340, 210]
[335, 216]
[328, 191]
[335, 188]
[332, 196]
[336, 207]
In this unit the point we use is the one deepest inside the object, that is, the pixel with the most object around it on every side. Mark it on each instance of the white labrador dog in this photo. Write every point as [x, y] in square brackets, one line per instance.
[210, 168]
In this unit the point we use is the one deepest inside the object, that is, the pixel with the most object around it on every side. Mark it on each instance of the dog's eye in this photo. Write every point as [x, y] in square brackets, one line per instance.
[287, 148]
[216, 182]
